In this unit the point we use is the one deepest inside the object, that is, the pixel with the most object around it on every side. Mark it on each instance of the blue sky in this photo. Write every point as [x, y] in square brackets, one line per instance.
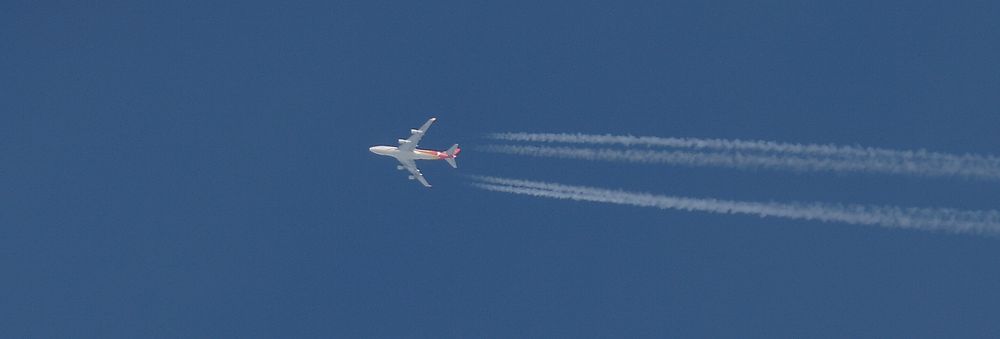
[189, 168]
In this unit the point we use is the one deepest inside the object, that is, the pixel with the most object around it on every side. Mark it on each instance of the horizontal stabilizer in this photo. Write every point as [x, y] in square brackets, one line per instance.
[452, 154]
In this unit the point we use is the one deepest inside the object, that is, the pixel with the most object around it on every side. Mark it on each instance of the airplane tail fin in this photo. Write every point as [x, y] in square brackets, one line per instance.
[452, 154]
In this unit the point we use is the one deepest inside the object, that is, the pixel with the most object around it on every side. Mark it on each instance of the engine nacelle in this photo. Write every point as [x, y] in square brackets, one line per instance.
[399, 167]
[410, 177]
[416, 131]
[403, 141]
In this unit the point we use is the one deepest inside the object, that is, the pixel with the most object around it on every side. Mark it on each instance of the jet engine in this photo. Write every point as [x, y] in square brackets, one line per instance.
[415, 131]
[403, 141]
[411, 177]
[400, 167]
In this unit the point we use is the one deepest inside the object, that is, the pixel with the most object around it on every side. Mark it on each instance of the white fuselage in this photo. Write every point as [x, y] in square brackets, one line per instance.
[416, 154]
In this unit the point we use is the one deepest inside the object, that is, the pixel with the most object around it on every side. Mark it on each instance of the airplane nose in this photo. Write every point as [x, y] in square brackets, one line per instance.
[372, 149]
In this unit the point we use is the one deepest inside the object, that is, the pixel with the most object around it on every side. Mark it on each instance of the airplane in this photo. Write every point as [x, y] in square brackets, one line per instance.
[407, 152]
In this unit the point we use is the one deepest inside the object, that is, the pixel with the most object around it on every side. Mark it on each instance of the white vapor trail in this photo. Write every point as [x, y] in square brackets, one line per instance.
[930, 219]
[770, 154]
[793, 162]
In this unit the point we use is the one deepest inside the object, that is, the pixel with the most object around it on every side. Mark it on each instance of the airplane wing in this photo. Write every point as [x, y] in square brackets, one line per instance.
[412, 167]
[415, 135]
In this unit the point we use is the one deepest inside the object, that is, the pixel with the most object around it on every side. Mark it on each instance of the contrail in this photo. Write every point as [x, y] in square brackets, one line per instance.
[919, 162]
[930, 219]
[739, 145]
[786, 161]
